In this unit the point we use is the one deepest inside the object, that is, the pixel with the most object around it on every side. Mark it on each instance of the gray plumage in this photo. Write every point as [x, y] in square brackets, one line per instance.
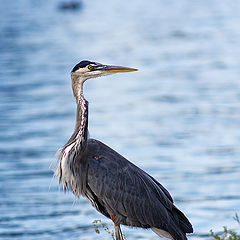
[114, 186]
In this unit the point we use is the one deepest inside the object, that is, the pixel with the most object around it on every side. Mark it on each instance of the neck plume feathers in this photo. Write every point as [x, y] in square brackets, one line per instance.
[72, 159]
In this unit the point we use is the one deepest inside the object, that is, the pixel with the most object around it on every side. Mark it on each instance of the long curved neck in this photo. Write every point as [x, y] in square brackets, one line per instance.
[81, 125]
[78, 140]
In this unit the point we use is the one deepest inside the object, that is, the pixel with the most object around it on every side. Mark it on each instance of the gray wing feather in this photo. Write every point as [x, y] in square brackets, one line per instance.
[125, 190]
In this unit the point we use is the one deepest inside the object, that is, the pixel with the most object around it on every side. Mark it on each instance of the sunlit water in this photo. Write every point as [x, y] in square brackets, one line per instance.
[177, 118]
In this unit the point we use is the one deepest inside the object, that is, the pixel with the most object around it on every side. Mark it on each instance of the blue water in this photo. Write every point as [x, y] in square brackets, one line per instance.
[178, 117]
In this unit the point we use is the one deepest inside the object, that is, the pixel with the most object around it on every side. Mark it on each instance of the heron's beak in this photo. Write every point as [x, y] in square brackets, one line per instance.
[108, 69]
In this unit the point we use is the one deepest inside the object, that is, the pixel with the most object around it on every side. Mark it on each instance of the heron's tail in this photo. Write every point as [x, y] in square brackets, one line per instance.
[177, 228]
[182, 221]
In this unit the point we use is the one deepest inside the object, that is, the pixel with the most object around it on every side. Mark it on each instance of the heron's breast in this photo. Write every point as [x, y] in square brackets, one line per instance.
[67, 158]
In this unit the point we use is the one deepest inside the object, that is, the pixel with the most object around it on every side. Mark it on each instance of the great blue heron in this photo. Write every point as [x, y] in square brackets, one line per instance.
[114, 186]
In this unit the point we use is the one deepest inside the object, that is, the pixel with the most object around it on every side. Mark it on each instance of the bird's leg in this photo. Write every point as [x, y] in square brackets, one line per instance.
[118, 232]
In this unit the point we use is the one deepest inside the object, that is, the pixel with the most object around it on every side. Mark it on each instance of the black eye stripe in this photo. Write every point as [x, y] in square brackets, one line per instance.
[82, 64]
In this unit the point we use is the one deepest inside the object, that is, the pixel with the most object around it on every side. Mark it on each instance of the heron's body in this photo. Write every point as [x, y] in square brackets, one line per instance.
[114, 186]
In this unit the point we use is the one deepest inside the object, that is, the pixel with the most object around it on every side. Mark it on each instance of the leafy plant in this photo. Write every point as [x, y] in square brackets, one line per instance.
[98, 223]
[227, 233]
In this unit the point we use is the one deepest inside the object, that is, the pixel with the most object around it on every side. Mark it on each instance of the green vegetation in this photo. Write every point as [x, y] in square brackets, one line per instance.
[227, 233]
[98, 224]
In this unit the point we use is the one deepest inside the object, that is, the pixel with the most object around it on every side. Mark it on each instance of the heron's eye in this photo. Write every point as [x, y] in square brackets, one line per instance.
[90, 67]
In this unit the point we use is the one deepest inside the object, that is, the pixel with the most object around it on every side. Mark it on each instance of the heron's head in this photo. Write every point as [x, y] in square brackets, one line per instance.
[86, 69]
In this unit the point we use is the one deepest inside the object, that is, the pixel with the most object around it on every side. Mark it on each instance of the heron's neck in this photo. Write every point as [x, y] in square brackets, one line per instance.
[77, 86]
[81, 126]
